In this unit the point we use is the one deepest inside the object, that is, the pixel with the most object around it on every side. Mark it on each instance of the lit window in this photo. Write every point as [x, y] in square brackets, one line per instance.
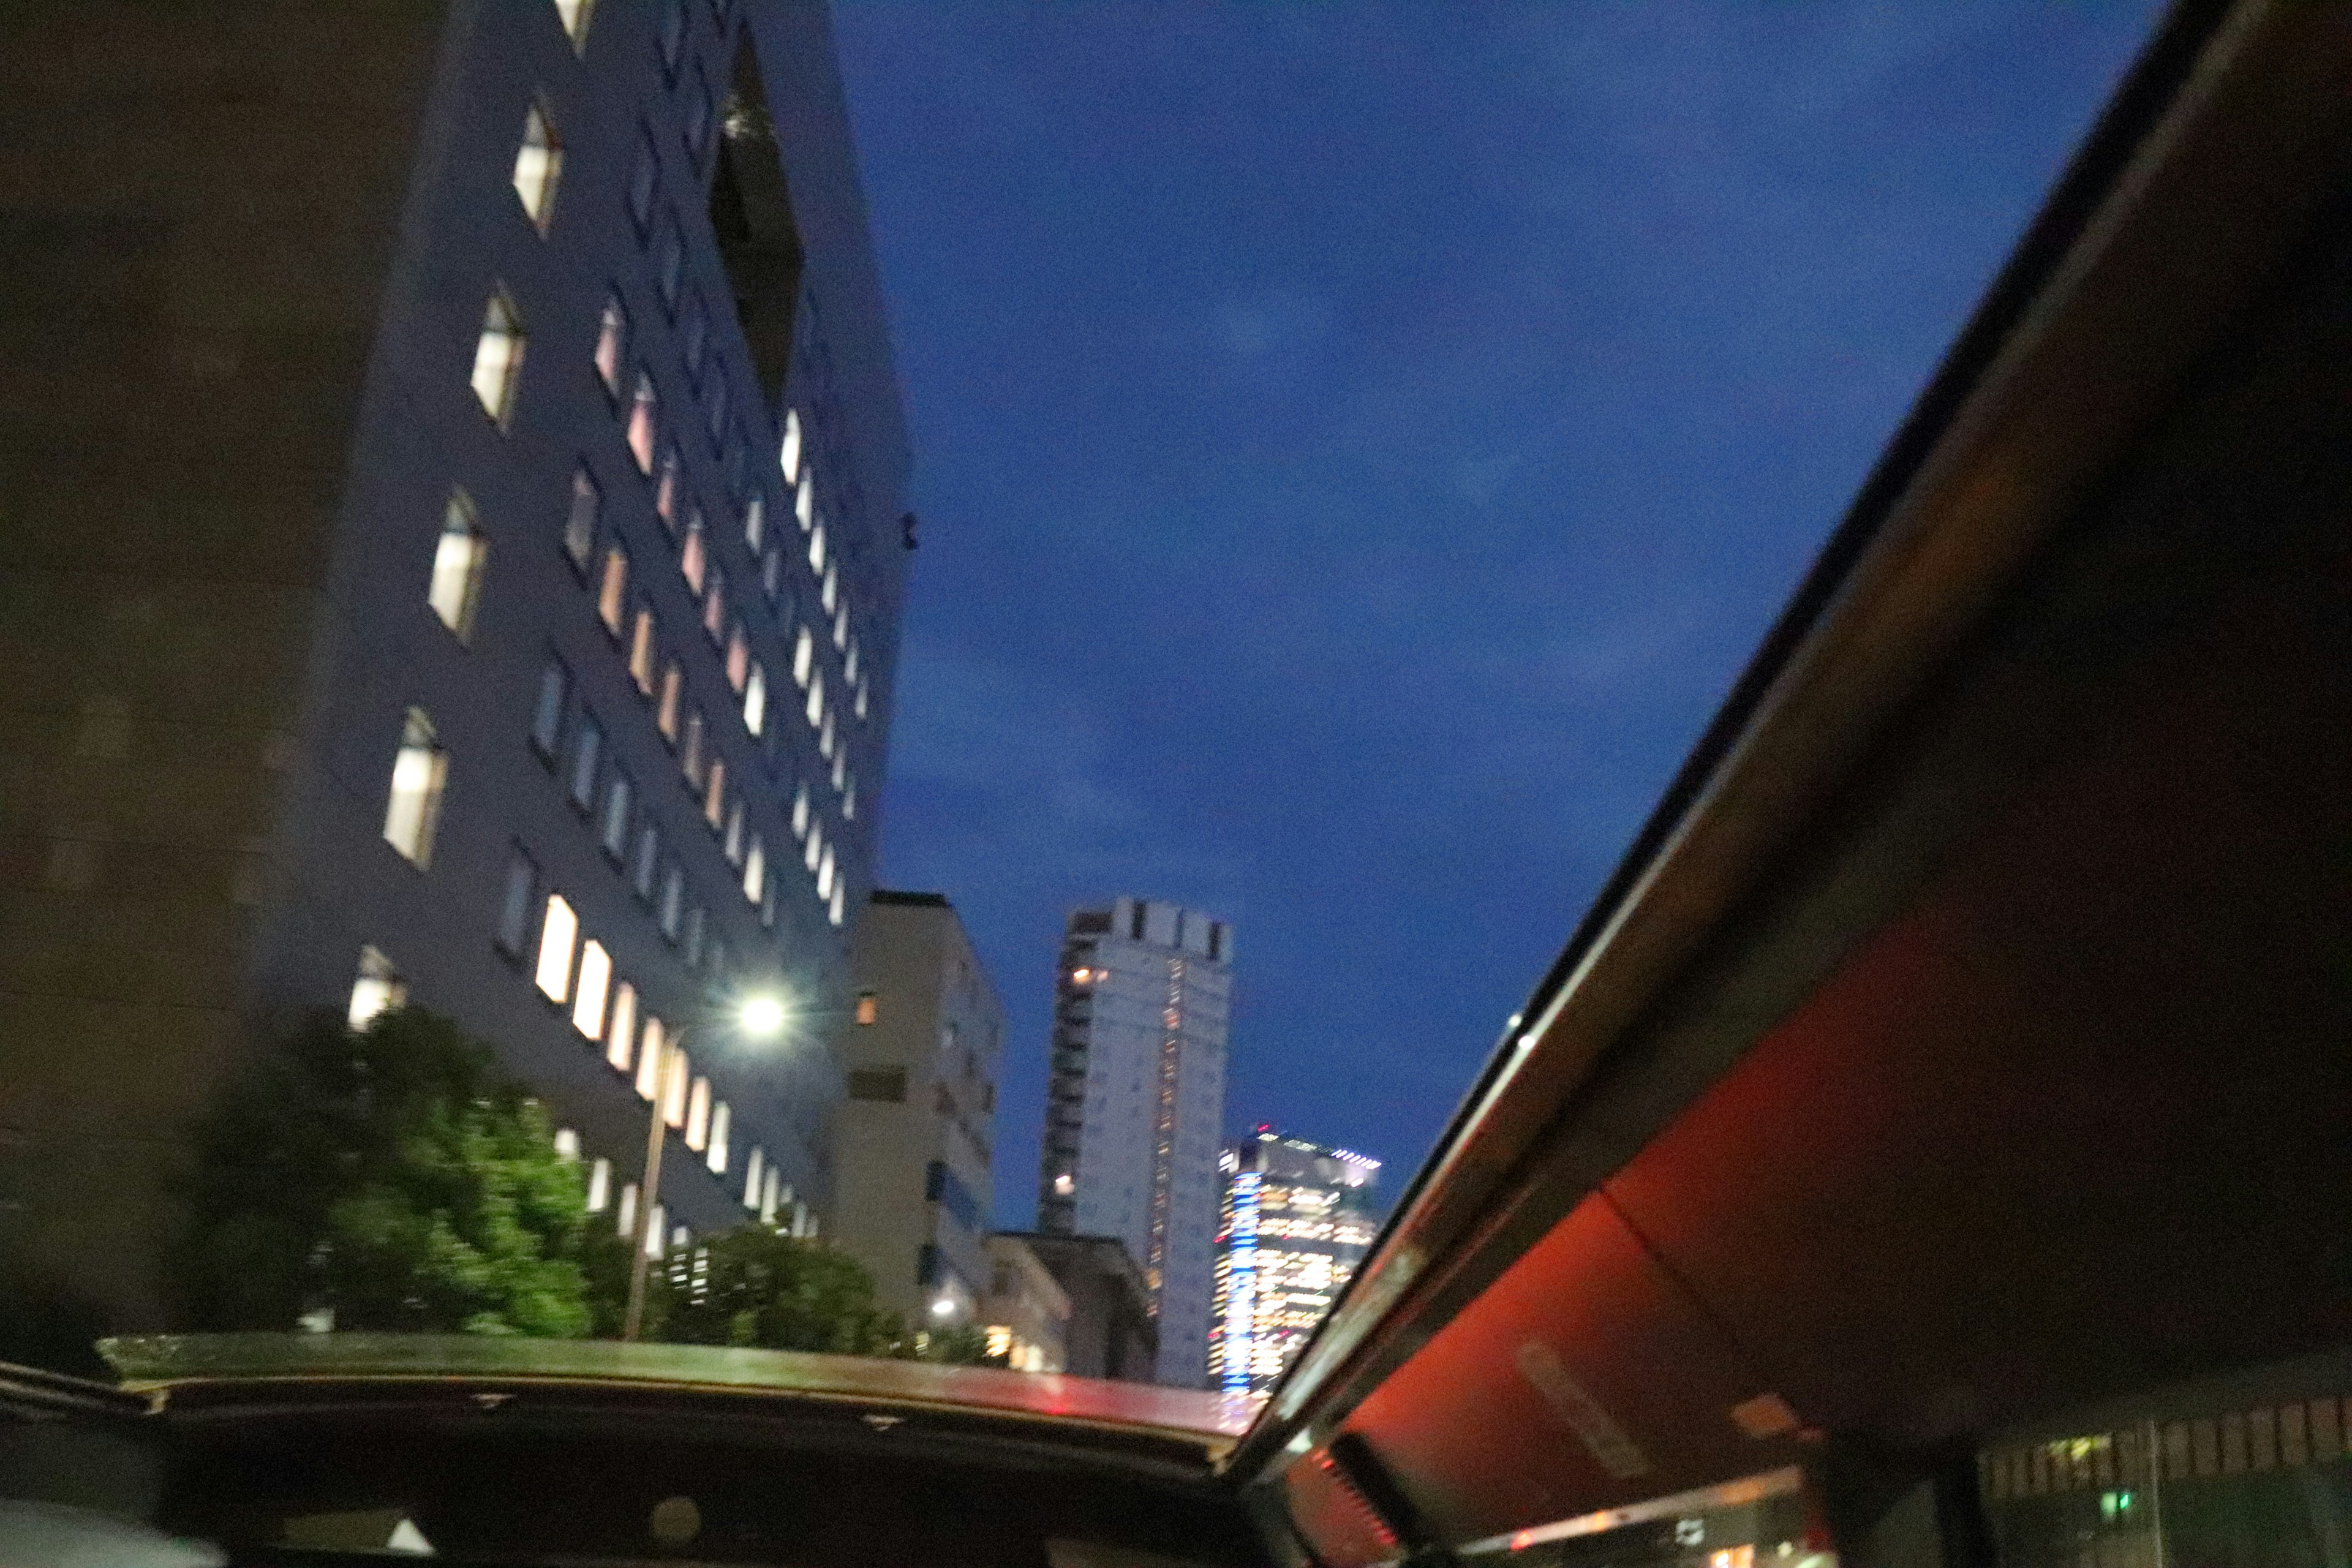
[673, 689]
[770, 1195]
[498, 358]
[417, 772]
[689, 750]
[643, 407]
[714, 607]
[800, 815]
[557, 931]
[539, 164]
[849, 668]
[735, 835]
[691, 559]
[839, 909]
[753, 1168]
[849, 800]
[722, 1124]
[805, 502]
[649, 859]
[697, 1114]
[587, 750]
[869, 1007]
[615, 835]
[613, 590]
[672, 902]
[714, 797]
[641, 653]
[675, 1088]
[755, 871]
[612, 344]
[574, 14]
[588, 1000]
[841, 631]
[789, 456]
[755, 523]
[666, 491]
[579, 522]
[649, 1060]
[547, 713]
[755, 699]
[803, 657]
[825, 873]
[816, 548]
[815, 709]
[625, 1216]
[514, 911]
[739, 659]
[620, 1031]
[824, 744]
[567, 1144]
[643, 177]
[458, 566]
[378, 988]
[860, 709]
[654, 1231]
[830, 590]
[600, 1186]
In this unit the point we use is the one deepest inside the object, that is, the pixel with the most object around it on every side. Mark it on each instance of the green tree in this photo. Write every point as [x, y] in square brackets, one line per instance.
[393, 1176]
[755, 1286]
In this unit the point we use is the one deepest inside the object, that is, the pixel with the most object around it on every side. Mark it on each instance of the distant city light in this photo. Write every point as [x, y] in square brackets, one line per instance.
[942, 1306]
[1082, 975]
[1063, 1185]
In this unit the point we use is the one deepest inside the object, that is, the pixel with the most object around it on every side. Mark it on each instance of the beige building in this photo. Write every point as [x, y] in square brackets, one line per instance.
[1027, 1312]
[912, 1185]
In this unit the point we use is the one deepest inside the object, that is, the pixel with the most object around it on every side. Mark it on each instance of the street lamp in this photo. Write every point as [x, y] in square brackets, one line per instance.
[760, 1017]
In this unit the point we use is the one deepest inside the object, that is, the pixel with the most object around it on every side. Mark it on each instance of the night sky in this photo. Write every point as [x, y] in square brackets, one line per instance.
[1357, 446]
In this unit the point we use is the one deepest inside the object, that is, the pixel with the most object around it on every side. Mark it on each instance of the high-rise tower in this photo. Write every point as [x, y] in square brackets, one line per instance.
[1298, 1218]
[1135, 1104]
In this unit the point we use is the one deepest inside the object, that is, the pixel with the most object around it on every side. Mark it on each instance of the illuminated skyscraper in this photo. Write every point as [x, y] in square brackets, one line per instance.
[1297, 1219]
[1135, 1104]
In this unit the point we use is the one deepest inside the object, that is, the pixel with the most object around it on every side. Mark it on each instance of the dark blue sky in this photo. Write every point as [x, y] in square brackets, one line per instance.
[1357, 446]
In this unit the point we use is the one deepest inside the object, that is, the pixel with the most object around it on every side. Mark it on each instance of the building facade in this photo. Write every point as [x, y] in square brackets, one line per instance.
[454, 465]
[911, 1139]
[1296, 1220]
[1027, 1312]
[1135, 1101]
[1110, 1333]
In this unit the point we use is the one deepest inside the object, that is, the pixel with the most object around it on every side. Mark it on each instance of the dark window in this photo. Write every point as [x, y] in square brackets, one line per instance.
[694, 336]
[520, 900]
[587, 750]
[618, 796]
[887, 1084]
[720, 396]
[941, 1188]
[670, 264]
[697, 116]
[1138, 921]
[751, 217]
[645, 175]
[672, 37]
[641, 875]
[694, 924]
[547, 717]
[580, 521]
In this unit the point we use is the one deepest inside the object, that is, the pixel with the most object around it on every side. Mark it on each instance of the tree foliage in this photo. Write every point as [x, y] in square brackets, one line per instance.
[755, 1286]
[393, 1176]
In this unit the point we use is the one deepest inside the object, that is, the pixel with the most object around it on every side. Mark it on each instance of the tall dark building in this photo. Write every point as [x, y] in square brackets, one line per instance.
[451, 481]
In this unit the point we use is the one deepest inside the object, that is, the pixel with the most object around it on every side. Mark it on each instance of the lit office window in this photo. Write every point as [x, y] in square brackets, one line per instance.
[768, 904]
[840, 907]
[755, 699]
[755, 523]
[849, 666]
[824, 875]
[869, 1007]
[643, 409]
[613, 590]
[673, 689]
[850, 801]
[805, 502]
[735, 834]
[547, 712]
[377, 988]
[689, 750]
[803, 657]
[613, 834]
[674, 1089]
[691, 558]
[612, 344]
[815, 855]
[714, 795]
[714, 607]
[558, 929]
[458, 566]
[595, 979]
[621, 1030]
[815, 709]
[654, 1231]
[587, 750]
[649, 1060]
[752, 1169]
[801, 812]
[567, 1144]
[697, 1114]
[789, 456]
[514, 910]
[641, 652]
[824, 747]
[666, 491]
[538, 165]
[841, 773]
[574, 14]
[755, 870]
[600, 1186]
[721, 1124]
[816, 548]
[860, 708]
[498, 358]
[673, 903]
[414, 809]
[580, 520]
[827, 592]
[738, 657]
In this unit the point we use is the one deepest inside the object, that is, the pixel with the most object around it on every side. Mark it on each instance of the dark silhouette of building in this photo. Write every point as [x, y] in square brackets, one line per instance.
[1112, 1333]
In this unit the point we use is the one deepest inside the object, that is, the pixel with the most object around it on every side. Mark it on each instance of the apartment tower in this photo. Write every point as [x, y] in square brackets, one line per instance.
[1135, 1104]
[452, 495]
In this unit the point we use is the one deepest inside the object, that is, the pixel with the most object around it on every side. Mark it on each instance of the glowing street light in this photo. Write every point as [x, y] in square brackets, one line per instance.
[761, 1017]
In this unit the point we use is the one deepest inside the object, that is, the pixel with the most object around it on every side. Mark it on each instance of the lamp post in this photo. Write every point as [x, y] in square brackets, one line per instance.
[760, 1017]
